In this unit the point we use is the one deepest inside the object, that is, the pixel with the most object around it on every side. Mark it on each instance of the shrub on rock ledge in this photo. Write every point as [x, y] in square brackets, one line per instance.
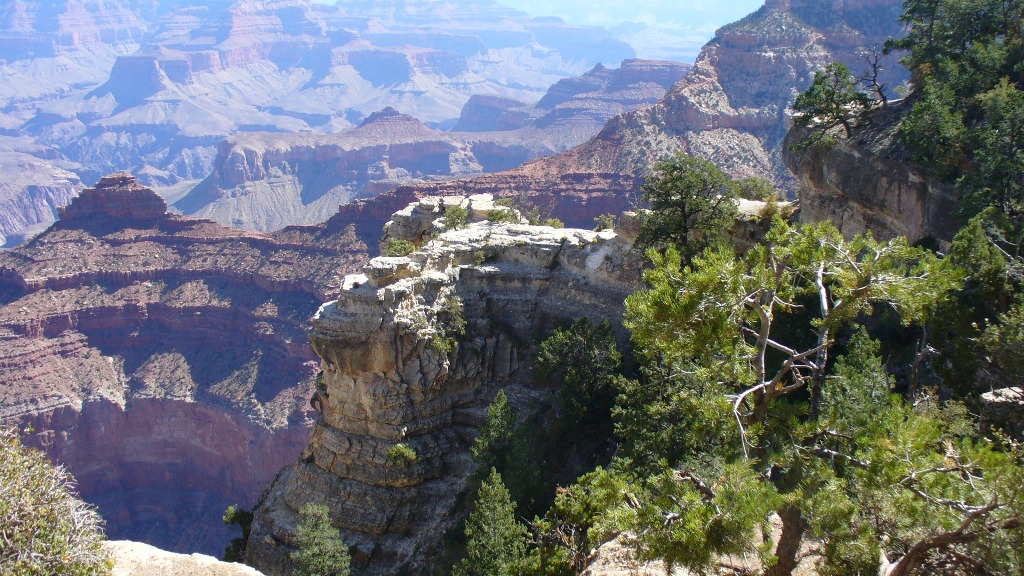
[44, 527]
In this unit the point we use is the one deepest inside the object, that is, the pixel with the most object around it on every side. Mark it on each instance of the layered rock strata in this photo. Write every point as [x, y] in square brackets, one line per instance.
[265, 181]
[389, 378]
[868, 183]
[164, 359]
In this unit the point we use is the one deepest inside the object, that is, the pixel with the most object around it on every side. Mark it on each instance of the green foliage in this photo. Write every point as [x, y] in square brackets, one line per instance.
[832, 100]
[971, 337]
[505, 202]
[666, 416]
[455, 217]
[722, 311]
[402, 454]
[242, 518]
[44, 527]
[583, 359]
[755, 189]
[579, 519]
[692, 205]
[399, 248]
[554, 223]
[500, 215]
[496, 542]
[967, 118]
[934, 132]
[493, 447]
[320, 549]
[604, 222]
[449, 323]
[726, 355]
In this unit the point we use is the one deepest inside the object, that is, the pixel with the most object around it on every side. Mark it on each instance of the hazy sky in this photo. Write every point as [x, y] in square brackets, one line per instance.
[677, 28]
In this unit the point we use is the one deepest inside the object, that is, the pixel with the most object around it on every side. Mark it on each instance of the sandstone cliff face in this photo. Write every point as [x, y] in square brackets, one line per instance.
[386, 383]
[732, 107]
[164, 359]
[867, 183]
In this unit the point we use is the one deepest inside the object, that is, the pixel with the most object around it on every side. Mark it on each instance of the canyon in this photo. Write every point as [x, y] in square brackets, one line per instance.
[164, 358]
[265, 181]
[91, 87]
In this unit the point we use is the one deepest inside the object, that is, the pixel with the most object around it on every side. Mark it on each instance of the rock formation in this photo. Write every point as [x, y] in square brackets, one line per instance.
[390, 375]
[164, 359]
[388, 381]
[265, 181]
[138, 559]
[868, 183]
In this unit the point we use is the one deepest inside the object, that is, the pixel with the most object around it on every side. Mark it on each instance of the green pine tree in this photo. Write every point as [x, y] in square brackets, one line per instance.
[321, 551]
[496, 542]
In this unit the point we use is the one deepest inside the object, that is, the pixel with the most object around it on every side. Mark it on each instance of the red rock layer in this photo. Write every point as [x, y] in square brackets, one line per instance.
[163, 359]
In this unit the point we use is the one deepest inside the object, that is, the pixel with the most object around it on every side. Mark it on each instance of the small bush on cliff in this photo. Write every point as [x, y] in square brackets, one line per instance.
[399, 248]
[500, 215]
[832, 100]
[44, 527]
[402, 454]
[449, 324]
[604, 222]
[455, 217]
[235, 516]
[321, 551]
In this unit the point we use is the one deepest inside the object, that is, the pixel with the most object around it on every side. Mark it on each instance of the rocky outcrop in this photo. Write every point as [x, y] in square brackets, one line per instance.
[115, 197]
[389, 377]
[868, 183]
[574, 198]
[138, 559]
[163, 359]
[1003, 409]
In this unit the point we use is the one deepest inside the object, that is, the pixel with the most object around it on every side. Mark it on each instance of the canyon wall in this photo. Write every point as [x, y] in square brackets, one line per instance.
[265, 181]
[164, 359]
[94, 87]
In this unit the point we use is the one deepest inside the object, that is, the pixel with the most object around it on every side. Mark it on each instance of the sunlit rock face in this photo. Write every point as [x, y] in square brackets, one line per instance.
[386, 380]
[867, 183]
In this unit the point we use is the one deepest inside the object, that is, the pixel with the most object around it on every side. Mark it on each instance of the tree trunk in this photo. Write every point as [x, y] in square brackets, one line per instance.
[788, 549]
[818, 379]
